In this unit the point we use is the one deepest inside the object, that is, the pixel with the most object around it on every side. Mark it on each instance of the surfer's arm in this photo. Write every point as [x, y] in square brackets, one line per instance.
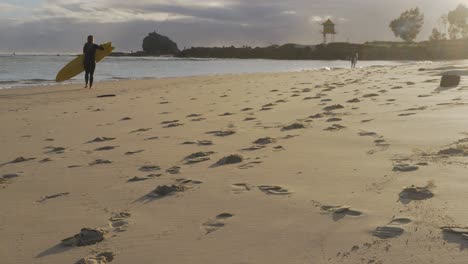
[99, 47]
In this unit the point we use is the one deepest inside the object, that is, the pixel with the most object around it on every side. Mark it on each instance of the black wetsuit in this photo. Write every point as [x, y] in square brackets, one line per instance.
[89, 51]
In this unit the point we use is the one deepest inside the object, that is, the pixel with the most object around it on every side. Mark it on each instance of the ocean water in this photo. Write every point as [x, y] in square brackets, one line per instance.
[37, 70]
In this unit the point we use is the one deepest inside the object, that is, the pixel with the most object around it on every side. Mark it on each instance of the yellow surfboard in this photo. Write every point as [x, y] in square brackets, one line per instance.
[76, 66]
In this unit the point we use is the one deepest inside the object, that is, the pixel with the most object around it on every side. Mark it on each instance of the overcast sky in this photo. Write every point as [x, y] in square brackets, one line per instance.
[62, 25]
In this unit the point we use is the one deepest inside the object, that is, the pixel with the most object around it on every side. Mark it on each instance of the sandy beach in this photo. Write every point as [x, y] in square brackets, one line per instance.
[330, 166]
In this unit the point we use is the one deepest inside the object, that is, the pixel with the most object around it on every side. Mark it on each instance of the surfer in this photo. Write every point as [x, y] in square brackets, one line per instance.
[354, 60]
[89, 51]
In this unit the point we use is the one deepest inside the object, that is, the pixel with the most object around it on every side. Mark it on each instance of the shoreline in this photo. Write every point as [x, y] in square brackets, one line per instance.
[45, 82]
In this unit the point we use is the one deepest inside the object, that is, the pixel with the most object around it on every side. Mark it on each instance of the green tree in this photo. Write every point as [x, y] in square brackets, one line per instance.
[408, 25]
[457, 26]
[437, 35]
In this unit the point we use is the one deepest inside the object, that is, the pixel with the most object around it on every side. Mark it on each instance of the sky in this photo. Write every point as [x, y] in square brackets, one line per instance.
[56, 26]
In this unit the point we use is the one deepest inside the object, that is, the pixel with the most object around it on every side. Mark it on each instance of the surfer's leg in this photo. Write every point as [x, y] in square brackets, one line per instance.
[91, 74]
[86, 75]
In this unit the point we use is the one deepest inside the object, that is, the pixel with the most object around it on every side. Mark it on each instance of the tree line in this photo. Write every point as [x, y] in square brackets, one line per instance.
[451, 26]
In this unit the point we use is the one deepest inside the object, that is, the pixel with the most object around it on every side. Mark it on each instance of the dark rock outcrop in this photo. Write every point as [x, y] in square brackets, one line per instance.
[156, 44]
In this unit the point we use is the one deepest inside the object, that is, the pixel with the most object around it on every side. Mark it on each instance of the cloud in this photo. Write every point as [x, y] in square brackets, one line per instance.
[289, 12]
[61, 25]
[6, 7]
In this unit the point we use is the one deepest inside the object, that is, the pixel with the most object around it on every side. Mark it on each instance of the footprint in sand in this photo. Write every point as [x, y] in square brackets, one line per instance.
[416, 193]
[45, 160]
[250, 164]
[222, 133]
[6, 178]
[55, 150]
[144, 178]
[311, 97]
[194, 115]
[106, 148]
[140, 130]
[173, 170]
[172, 124]
[100, 162]
[86, 237]
[334, 119]
[215, 224]
[134, 152]
[316, 116]
[293, 126]
[370, 95]
[188, 181]
[367, 134]
[388, 231]
[21, 159]
[100, 139]
[403, 167]
[354, 100]
[274, 189]
[407, 114]
[238, 188]
[253, 148]
[231, 159]
[339, 211]
[462, 232]
[198, 157]
[264, 141]
[205, 143]
[149, 168]
[48, 197]
[333, 107]
[100, 258]
[247, 109]
[169, 122]
[165, 190]
[334, 127]
[400, 221]
[119, 221]
[392, 229]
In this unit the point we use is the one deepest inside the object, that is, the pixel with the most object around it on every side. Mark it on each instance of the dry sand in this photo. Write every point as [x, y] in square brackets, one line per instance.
[320, 162]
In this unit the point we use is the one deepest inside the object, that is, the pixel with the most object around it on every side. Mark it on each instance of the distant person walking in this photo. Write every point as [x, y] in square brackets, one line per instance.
[354, 60]
[89, 51]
